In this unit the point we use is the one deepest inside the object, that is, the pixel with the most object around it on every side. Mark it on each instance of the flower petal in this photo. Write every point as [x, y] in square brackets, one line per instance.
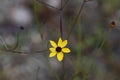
[59, 42]
[60, 56]
[66, 50]
[64, 43]
[52, 54]
[52, 49]
[53, 44]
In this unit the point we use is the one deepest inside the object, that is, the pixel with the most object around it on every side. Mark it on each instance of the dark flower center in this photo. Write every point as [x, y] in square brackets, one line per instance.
[58, 49]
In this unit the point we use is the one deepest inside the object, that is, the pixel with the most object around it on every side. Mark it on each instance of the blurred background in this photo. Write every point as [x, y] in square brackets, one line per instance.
[30, 24]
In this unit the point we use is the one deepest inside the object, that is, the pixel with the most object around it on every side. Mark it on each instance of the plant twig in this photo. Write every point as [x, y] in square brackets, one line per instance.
[61, 31]
[76, 19]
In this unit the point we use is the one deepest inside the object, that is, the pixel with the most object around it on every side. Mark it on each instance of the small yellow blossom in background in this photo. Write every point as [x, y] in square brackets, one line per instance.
[58, 49]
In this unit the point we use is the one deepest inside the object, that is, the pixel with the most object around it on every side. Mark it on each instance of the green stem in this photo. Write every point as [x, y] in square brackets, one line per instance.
[104, 39]
[76, 19]
[63, 69]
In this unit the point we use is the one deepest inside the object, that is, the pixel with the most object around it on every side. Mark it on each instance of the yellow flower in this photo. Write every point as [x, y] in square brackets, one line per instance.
[58, 49]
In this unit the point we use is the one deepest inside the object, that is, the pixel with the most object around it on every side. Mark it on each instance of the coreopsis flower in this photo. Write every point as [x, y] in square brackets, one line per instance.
[59, 49]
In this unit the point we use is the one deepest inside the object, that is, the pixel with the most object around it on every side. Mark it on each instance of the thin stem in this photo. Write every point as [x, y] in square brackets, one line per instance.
[3, 42]
[35, 12]
[61, 20]
[76, 19]
[61, 31]
[39, 24]
[21, 52]
[63, 68]
[16, 45]
[61, 4]
[104, 39]
[17, 41]
[65, 4]
[98, 47]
